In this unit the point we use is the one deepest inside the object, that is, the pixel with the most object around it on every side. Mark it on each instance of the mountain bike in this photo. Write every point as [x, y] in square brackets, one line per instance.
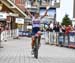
[36, 45]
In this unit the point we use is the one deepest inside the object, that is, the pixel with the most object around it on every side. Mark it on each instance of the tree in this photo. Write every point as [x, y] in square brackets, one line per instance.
[66, 21]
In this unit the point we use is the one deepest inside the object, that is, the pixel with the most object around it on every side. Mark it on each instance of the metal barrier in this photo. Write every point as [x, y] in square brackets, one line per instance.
[25, 33]
[47, 36]
[60, 39]
[66, 43]
[51, 36]
[9, 34]
[0, 41]
[72, 39]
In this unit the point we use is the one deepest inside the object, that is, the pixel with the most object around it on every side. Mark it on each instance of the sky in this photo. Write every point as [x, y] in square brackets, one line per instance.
[66, 7]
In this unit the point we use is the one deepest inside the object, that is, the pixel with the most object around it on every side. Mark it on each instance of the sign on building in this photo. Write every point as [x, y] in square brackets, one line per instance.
[3, 16]
[19, 21]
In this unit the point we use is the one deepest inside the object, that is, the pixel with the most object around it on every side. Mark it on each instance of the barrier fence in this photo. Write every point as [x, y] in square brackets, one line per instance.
[72, 39]
[60, 38]
[9, 34]
[53, 38]
[25, 33]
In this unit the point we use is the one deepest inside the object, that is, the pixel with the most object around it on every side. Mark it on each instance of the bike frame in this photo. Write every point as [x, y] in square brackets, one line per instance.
[36, 46]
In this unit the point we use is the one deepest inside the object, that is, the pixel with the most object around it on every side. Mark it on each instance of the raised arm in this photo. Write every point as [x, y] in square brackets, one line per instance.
[28, 12]
[47, 7]
[45, 14]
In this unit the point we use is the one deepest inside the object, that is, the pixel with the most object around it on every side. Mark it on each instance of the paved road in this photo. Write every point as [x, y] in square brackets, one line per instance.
[19, 51]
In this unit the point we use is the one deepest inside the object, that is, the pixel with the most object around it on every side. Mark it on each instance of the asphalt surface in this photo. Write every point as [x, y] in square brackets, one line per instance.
[19, 51]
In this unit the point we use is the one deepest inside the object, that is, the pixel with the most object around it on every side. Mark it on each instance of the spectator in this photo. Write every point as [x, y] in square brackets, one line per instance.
[51, 27]
[63, 28]
[68, 29]
[74, 28]
[56, 28]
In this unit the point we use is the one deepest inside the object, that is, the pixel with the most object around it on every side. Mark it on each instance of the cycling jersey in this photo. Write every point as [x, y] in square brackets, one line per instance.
[35, 25]
[36, 22]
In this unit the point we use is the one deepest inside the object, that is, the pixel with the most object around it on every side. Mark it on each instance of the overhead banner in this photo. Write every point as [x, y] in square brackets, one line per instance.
[19, 20]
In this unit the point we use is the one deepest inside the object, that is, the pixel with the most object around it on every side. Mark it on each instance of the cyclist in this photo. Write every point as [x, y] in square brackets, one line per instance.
[35, 24]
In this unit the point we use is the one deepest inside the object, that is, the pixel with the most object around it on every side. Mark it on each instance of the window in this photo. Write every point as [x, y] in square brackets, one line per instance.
[22, 1]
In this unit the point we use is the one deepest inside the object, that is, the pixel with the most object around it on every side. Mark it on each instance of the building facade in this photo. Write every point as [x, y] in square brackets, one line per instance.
[19, 3]
[8, 14]
[38, 5]
[5, 20]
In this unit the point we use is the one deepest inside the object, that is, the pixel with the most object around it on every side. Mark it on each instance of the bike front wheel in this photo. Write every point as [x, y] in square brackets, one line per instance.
[36, 48]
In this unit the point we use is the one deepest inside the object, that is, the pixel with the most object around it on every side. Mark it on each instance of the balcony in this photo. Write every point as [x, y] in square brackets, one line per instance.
[51, 3]
[35, 4]
[31, 5]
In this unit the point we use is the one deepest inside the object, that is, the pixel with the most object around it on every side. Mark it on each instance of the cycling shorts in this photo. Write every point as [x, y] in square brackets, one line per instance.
[35, 30]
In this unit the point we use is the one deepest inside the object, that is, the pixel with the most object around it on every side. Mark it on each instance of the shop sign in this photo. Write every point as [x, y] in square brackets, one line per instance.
[19, 20]
[29, 27]
[3, 16]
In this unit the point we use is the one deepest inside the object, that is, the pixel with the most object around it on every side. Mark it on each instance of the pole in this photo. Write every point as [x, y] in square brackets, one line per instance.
[54, 18]
[0, 39]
